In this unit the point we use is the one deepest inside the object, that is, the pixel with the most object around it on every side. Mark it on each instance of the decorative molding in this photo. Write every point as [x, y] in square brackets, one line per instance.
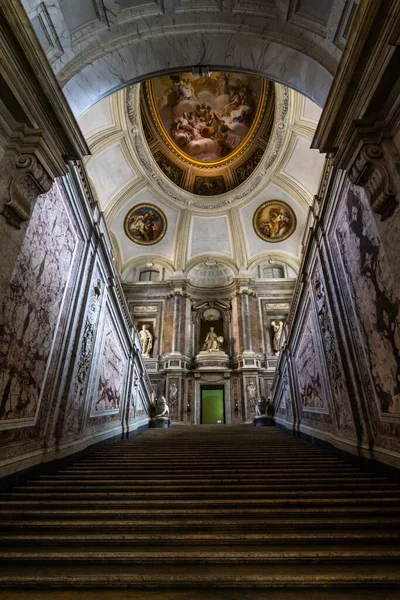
[30, 180]
[370, 171]
[146, 160]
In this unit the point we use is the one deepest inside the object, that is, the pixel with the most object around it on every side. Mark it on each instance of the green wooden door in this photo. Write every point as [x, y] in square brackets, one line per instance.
[212, 406]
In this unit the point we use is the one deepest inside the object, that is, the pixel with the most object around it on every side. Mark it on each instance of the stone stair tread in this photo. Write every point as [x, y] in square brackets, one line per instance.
[160, 575]
[157, 538]
[227, 508]
[198, 556]
[191, 511]
[209, 522]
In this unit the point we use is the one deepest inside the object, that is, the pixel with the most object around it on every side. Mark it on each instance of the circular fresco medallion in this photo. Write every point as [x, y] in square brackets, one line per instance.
[145, 224]
[274, 221]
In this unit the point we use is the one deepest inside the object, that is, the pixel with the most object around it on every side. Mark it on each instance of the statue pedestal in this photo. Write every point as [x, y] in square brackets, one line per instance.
[160, 423]
[263, 421]
[212, 360]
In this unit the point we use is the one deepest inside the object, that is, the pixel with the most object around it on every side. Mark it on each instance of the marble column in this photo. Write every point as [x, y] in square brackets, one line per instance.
[177, 319]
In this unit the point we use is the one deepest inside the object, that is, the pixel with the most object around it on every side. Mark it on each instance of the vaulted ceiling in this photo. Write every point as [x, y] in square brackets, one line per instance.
[218, 229]
[98, 46]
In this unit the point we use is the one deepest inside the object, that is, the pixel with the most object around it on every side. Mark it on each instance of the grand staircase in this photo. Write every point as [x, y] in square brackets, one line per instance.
[228, 512]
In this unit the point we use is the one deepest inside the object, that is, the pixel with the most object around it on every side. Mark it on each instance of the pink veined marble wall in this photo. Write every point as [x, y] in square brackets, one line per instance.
[113, 361]
[32, 306]
[373, 295]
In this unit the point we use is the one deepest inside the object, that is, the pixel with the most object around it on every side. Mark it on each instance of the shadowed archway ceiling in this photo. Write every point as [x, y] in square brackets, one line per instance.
[96, 47]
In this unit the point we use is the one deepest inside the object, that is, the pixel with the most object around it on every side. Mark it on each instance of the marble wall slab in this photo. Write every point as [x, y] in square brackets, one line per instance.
[111, 377]
[31, 313]
[372, 290]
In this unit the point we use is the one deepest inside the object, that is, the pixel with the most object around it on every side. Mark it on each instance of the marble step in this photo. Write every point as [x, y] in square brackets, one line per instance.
[293, 486]
[262, 500]
[185, 556]
[158, 539]
[204, 504]
[185, 471]
[188, 524]
[32, 496]
[167, 576]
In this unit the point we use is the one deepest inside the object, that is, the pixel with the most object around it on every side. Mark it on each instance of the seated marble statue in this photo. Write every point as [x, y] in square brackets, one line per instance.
[213, 342]
[162, 409]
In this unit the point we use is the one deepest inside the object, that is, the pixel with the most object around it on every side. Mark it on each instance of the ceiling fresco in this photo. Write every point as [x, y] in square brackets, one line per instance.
[207, 134]
[274, 221]
[207, 119]
[145, 224]
[142, 188]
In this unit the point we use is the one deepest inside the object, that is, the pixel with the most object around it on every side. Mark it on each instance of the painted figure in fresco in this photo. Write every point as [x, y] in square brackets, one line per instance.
[162, 409]
[208, 117]
[277, 224]
[213, 342]
[145, 226]
[146, 340]
[277, 329]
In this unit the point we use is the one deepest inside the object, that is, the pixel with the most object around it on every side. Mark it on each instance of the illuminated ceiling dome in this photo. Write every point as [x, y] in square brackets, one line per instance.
[208, 133]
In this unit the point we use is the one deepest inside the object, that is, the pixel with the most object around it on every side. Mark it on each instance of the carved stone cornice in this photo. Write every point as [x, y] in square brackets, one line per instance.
[370, 171]
[362, 112]
[28, 181]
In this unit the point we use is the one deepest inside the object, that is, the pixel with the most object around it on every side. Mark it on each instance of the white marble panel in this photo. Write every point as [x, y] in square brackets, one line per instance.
[110, 172]
[305, 165]
[311, 111]
[256, 244]
[98, 117]
[210, 234]
[165, 247]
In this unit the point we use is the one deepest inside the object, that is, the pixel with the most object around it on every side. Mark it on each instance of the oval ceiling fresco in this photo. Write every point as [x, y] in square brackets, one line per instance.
[207, 120]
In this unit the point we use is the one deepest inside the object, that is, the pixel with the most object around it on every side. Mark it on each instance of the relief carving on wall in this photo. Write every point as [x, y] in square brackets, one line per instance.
[29, 180]
[374, 297]
[79, 386]
[112, 371]
[173, 399]
[341, 398]
[32, 306]
[371, 172]
[308, 373]
[251, 397]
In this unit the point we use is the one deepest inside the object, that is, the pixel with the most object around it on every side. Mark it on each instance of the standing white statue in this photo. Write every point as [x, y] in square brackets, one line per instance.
[146, 340]
[213, 342]
[277, 329]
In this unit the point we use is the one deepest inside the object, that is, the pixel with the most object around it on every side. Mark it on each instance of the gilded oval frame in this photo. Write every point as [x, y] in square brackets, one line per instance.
[141, 210]
[276, 229]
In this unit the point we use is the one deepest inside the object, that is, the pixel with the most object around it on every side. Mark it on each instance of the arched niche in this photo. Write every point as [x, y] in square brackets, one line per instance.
[207, 314]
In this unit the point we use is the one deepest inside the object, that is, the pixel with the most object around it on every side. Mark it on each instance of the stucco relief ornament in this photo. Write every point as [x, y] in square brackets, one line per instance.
[251, 396]
[161, 181]
[173, 396]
